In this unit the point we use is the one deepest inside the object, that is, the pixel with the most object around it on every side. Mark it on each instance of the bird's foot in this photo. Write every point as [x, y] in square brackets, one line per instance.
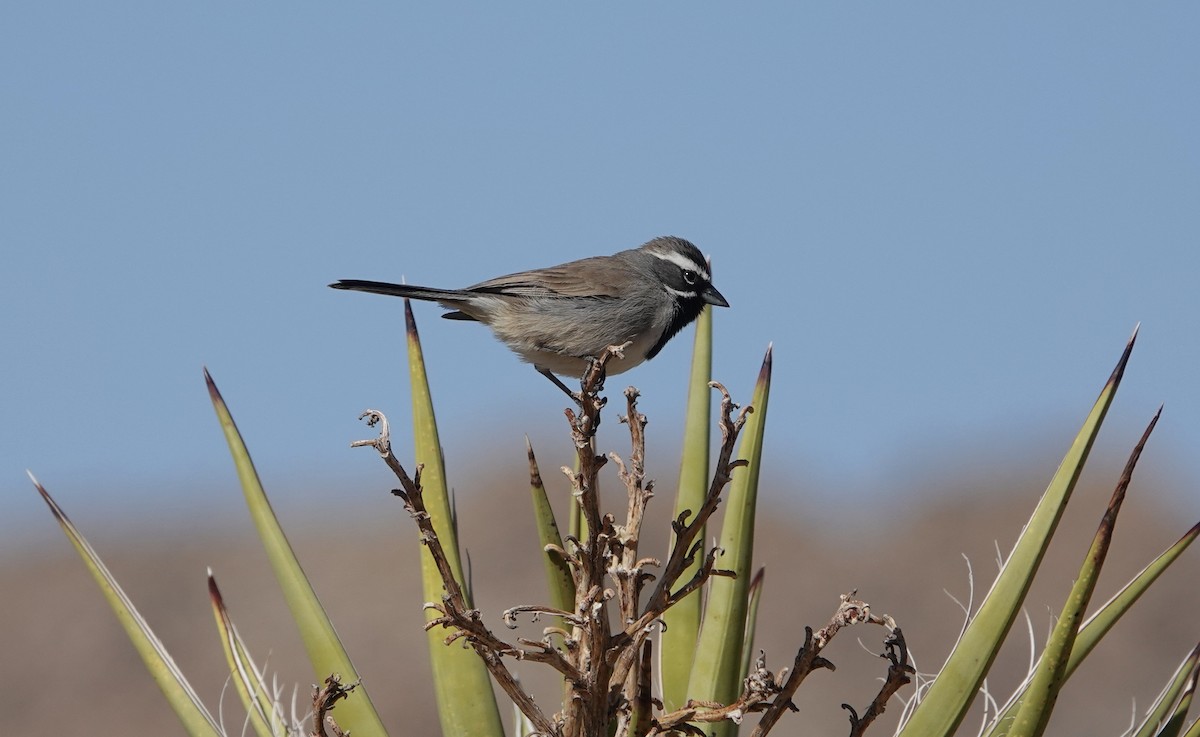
[575, 396]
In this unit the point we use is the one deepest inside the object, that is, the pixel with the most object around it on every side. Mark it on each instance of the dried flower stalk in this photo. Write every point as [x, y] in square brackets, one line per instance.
[606, 667]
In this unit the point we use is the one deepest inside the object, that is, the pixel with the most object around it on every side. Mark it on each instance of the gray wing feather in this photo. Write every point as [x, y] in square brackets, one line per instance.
[589, 277]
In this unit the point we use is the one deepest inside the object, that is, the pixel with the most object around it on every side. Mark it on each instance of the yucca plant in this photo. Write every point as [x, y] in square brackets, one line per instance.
[943, 702]
[605, 607]
[608, 600]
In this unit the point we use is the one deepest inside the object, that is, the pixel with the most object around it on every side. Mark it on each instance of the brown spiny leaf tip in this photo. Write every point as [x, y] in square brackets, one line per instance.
[1118, 496]
[1153, 422]
[535, 474]
[45, 494]
[214, 593]
[1192, 533]
[1119, 371]
[759, 576]
[764, 374]
[410, 323]
[212, 386]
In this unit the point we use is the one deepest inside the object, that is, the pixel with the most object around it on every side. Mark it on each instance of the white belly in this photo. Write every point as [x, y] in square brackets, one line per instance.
[573, 367]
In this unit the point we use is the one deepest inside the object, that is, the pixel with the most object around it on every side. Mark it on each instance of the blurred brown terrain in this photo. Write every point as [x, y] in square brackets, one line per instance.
[70, 670]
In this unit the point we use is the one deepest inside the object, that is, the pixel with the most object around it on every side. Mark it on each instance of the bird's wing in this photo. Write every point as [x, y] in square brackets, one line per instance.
[585, 278]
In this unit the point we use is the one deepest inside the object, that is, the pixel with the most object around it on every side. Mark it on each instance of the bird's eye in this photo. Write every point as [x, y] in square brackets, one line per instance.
[689, 276]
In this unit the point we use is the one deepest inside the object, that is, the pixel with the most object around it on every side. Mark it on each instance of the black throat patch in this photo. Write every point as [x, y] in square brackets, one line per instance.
[686, 310]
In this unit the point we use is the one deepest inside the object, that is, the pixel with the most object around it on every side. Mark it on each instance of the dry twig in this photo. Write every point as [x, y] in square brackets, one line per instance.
[324, 699]
[896, 653]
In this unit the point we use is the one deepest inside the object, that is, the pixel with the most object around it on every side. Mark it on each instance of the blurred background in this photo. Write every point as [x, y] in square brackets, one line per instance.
[946, 219]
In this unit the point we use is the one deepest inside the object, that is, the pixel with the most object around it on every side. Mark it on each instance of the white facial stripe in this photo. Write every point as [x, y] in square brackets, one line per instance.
[682, 262]
[678, 293]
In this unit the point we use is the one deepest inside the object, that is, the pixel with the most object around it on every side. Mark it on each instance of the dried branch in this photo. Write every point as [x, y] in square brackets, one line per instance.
[454, 611]
[324, 699]
[850, 611]
[685, 547]
[510, 615]
[757, 690]
[608, 672]
[643, 698]
[627, 567]
[896, 653]
[762, 692]
[587, 709]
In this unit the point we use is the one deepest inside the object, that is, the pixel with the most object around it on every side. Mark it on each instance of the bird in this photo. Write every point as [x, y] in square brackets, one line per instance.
[562, 317]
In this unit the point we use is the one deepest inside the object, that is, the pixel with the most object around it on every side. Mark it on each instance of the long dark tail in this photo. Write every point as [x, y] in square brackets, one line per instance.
[402, 290]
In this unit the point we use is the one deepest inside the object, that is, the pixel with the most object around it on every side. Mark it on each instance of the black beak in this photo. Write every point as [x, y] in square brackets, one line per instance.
[713, 297]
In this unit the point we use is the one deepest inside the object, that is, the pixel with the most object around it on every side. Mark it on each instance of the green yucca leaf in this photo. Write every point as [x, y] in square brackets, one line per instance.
[558, 573]
[717, 674]
[1161, 714]
[179, 693]
[521, 724]
[1098, 624]
[1102, 621]
[951, 694]
[1175, 723]
[263, 709]
[683, 620]
[756, 590]
[428, 454]
[325, 651]
[1049, 675]
[466, 703]
[1193, 729]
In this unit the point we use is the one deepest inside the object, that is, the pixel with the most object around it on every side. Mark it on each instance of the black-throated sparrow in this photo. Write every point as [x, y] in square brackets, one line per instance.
[559, 317]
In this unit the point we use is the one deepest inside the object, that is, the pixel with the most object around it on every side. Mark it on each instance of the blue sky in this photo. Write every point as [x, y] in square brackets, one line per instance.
[946, 217]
